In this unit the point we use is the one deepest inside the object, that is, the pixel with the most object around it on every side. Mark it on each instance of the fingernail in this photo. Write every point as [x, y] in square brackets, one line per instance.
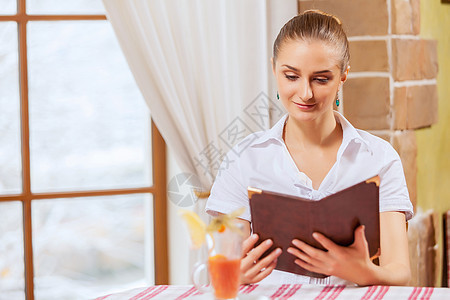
[289, 250]
[278, 251]
[269, 242]
[254, 236]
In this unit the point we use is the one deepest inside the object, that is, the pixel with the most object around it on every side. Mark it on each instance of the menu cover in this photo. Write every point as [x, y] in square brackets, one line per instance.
[283, 218]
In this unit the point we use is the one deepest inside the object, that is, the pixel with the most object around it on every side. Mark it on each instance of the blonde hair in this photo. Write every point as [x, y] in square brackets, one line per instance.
[315, 25]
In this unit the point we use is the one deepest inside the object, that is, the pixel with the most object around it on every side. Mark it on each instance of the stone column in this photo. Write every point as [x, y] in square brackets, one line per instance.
[391, 90]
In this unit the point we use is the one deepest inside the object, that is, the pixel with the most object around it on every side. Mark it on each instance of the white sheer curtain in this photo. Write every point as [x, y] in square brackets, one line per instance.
[203, 67]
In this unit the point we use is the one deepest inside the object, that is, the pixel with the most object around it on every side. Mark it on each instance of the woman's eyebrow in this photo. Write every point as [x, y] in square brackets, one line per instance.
[296, 70]
[290, 67]
[323, 71]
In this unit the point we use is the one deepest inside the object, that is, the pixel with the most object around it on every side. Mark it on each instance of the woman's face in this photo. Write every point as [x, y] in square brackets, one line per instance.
[308, 78]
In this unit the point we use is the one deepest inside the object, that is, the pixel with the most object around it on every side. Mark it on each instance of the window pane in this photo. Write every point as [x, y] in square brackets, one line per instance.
[89, 125]
[8, 7]
[65, 7]
[88, 247]
[10, 161]
[12, 282]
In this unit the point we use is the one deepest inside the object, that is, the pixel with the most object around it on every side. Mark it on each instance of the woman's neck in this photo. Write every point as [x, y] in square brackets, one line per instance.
[321, 132]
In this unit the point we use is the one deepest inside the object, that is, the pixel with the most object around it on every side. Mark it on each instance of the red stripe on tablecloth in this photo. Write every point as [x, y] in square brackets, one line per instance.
[413, 293]
[187, 293]
[198, 293]
[416, 292]
[243, 287]
[156, 292]
[324, 292]
[292, 291]
[383, 290]
[143, 292]
[250, 289]
[337, 290]
[103, 297]
[369, 292]
[427, 294]
[280, 290]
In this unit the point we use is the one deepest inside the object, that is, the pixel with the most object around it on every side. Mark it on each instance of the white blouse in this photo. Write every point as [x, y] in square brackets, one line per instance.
[261, 160]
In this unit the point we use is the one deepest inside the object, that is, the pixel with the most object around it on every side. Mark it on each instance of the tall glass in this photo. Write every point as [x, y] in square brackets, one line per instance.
[224, 261]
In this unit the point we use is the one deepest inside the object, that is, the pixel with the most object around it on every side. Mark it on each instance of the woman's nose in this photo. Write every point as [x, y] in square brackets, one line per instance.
[305, 92]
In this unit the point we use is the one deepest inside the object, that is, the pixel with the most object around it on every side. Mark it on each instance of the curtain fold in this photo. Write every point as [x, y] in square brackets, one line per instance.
[203, 67]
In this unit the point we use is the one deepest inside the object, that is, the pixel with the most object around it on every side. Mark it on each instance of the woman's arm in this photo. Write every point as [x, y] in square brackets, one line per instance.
[353, 263]
[394, 266]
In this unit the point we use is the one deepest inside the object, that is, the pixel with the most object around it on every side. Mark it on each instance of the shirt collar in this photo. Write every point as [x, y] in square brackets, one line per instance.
[274, 133]
[350, 134]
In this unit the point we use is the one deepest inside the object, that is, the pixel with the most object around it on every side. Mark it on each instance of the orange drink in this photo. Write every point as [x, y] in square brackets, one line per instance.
[224, 262]
[225, 276]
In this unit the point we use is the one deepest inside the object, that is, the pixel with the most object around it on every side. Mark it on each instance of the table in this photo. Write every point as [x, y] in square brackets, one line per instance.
[288, 291]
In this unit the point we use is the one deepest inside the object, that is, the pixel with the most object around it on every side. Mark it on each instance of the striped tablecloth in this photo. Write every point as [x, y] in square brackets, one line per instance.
[288, 291]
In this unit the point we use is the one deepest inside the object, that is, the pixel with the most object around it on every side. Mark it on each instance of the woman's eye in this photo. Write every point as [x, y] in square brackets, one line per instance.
[291, 77]
[321, 80]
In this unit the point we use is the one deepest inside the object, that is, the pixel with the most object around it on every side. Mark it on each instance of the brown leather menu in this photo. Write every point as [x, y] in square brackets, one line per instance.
[283, 217]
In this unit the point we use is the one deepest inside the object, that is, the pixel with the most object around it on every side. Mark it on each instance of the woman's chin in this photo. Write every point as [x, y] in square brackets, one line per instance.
[309, 115]
[303, 115]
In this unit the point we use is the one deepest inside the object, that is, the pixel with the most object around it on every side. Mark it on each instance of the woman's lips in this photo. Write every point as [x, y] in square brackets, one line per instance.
[305, 106]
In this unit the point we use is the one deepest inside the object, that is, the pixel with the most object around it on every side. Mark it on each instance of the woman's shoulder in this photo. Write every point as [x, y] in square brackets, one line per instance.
[377, 144]
[373, 142]
[373, 139]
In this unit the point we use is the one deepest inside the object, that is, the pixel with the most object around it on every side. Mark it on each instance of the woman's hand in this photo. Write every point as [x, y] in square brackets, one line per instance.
[254, 269]
[350, 263]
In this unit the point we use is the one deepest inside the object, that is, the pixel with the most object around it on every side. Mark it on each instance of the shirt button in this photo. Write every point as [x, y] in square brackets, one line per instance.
[316, 195]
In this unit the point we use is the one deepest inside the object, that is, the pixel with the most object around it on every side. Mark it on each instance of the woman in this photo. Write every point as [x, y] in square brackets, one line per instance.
[313, 152]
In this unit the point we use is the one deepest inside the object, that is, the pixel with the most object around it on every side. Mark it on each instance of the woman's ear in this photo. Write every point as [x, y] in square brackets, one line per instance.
[344, 75]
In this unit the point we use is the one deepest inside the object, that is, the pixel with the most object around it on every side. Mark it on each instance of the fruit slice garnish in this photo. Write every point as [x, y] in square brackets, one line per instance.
[226, 220]
[196, 227]
[222, 228]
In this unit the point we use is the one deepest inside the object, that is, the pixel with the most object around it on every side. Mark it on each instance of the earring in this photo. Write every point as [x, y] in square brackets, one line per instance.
[337, 101]
[278, 96]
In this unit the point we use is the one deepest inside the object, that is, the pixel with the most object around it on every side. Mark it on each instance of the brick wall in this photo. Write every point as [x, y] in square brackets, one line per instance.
[391, 89]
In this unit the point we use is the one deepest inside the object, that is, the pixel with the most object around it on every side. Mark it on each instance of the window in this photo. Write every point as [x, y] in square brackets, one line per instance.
[82, 167]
